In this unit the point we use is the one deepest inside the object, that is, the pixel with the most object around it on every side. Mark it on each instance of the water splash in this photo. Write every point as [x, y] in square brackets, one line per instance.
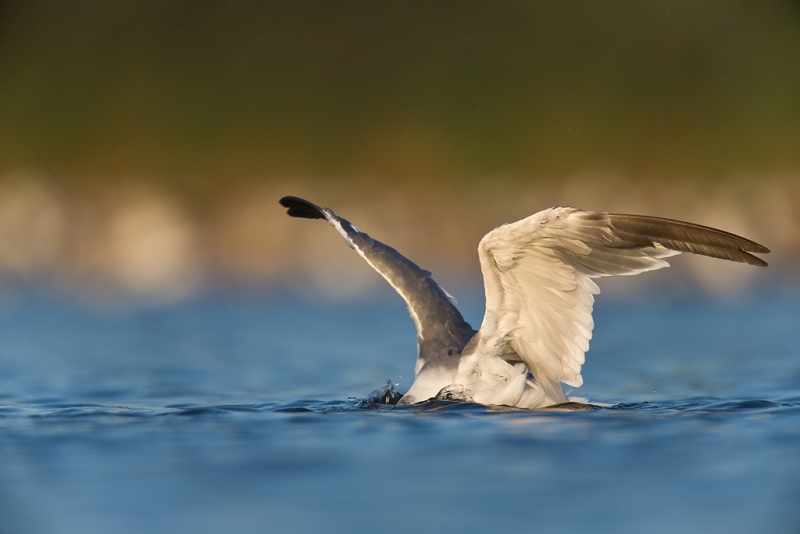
[387, 394]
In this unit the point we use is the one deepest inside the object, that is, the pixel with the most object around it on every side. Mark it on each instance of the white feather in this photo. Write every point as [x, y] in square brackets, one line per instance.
[539, 297]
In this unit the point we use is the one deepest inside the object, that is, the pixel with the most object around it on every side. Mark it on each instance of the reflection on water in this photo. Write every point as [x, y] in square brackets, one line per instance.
[228, 415]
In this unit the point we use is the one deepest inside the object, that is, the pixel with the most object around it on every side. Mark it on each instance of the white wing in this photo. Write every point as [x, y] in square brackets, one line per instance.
[539, 293]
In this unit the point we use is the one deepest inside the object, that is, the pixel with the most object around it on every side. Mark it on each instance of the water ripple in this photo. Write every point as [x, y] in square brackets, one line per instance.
[677, 407]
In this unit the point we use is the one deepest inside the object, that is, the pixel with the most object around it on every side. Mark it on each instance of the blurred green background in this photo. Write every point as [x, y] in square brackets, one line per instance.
[460, 109]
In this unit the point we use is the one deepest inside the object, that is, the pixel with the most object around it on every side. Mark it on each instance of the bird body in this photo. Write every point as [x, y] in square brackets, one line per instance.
[538, 277]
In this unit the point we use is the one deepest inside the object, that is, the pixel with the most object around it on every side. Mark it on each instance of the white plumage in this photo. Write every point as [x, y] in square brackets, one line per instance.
[539, 295]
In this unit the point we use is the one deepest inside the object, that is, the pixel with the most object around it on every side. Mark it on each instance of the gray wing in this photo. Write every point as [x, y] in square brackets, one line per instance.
[439, 323]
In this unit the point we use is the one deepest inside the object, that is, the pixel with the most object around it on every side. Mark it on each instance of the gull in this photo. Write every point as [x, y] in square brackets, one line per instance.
[538, 278]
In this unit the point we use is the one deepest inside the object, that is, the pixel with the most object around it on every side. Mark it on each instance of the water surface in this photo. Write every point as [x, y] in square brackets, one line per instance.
[231, 414]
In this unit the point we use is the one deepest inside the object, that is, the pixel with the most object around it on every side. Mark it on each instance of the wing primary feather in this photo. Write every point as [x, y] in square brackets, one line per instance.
[714, 252]
[301, 208]
[686, 237]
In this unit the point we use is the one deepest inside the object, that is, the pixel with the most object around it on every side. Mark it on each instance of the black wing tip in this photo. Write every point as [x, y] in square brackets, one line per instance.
[301, 208]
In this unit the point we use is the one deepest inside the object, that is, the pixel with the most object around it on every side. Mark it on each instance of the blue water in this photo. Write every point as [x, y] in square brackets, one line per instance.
[230, 414]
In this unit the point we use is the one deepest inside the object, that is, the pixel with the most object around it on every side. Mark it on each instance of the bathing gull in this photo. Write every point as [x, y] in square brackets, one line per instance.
[537, 274]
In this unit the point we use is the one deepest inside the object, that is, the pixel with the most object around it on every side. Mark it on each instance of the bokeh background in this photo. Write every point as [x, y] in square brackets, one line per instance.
[175, 351]
[144, 144]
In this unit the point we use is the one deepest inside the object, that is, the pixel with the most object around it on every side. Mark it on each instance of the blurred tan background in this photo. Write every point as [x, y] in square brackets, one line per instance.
[144, 145]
